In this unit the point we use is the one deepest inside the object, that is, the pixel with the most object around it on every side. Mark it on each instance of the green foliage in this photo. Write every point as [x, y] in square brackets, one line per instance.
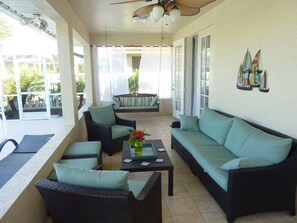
[81, 68]
[31, 80]
[5, 30]
[55, 88]
[80, 85]
[133, 82]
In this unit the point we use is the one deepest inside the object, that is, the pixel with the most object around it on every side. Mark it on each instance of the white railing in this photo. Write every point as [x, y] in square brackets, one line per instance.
[38, 102]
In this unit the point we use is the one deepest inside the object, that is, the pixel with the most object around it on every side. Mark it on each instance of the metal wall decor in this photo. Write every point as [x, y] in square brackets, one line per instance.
[250, 75]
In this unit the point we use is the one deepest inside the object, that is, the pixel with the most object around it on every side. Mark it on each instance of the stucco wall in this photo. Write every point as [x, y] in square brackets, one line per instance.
[238, 25]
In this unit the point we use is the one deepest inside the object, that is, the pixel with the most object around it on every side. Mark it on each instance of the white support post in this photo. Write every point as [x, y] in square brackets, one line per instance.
[88, 74]
[67, 76]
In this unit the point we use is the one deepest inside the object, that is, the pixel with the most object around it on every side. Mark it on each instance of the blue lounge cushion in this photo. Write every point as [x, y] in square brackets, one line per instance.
[105, 179]
[214, 125]
[154, 101]
[238, 134]
[266, 146]
[245, 162]
[103, 115]
[188, 123]
[32, 143]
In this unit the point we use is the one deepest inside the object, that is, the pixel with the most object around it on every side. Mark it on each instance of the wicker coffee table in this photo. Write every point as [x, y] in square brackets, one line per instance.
[134, 165]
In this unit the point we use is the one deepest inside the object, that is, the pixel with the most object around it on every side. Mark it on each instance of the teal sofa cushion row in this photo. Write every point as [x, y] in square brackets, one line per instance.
[138, 107]
[245, 162]
[103, 115]
[118, 131]
[267, 147]
[211, 158]
[190, 139]
[214, 125]
[238, 134]
[113, 180]
[188, 123]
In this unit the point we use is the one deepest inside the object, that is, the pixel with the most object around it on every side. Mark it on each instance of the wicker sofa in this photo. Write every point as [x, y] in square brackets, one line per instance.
[241, 190]
[136, 103]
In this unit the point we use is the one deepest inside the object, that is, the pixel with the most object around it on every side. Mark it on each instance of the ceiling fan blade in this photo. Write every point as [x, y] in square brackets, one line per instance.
[194, 4]
[130, 1]
[186, 11]
[144, 12]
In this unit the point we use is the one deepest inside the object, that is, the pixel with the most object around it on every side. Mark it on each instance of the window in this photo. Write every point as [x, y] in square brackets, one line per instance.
[204, 72]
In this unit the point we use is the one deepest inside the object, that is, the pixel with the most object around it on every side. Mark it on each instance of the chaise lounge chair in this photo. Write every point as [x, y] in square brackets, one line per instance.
[23, 151]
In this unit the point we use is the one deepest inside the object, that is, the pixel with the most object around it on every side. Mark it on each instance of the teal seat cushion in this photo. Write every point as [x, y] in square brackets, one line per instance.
[238, 134]
[211, 158]
[88, 163]
[154, 101]
[190, 139]
[83, 148]
[103, 115]
[188, 123]
[136, 186]
[113, 180]
[245, 162]
[266, 146]
[215, 125]
[118, 131]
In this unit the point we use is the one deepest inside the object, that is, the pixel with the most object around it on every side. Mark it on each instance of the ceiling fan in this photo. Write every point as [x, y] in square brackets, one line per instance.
[172, 8]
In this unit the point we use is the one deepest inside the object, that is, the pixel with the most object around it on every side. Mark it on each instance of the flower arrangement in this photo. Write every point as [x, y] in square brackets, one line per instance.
[137, 136]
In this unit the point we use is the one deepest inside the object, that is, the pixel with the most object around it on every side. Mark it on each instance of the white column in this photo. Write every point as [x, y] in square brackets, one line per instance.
[67, 76]
[88, 74]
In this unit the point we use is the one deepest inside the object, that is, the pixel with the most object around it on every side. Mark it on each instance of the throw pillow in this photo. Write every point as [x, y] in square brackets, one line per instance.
[103, 115]
[245, 162]
[116, 101]
[188, 123]
[154, 101]
[114, 180]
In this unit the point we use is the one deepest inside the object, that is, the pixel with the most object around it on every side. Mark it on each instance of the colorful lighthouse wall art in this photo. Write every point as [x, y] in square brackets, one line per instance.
[250, 75]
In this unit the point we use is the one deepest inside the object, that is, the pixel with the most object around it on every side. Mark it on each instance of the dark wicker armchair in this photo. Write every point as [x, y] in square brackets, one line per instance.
[75, 204]
[103, 133]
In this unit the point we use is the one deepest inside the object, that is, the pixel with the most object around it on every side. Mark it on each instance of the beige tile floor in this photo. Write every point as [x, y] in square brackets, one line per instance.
[191, 201]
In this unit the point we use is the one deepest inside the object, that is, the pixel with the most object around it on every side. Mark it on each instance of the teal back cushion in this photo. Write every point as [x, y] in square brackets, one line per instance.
[114, 180]
[214, 125]
[103, 115]
[266, 146]
[238, 134]
[188, 123]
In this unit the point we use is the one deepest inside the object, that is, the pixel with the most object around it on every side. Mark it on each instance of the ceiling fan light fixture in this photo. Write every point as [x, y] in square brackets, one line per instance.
[174, 14]
[158, 12]
[153, 17]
